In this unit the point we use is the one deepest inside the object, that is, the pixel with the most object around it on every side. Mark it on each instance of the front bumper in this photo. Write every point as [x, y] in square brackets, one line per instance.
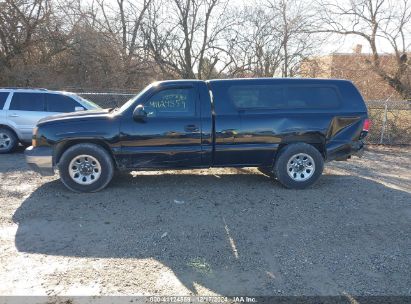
[40, 160]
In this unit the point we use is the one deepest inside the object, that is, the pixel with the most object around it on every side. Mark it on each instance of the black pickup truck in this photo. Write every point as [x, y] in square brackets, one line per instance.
[286, 127]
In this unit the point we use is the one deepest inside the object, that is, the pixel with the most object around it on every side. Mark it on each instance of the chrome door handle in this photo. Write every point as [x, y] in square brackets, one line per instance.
[14, 115]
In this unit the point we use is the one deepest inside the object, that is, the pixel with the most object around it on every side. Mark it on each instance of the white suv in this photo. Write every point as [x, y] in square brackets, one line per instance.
[21, 109]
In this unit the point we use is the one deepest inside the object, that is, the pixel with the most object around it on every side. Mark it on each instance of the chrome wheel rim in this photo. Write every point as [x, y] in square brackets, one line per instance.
[300, 167]
[5, 141]
[85, 169]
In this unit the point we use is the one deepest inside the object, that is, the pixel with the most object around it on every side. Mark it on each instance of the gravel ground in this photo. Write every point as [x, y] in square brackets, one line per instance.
[210, 232]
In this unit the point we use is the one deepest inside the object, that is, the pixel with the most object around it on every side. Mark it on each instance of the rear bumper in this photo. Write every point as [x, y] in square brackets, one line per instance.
[40, 160]
[357, 148]
[343, 151]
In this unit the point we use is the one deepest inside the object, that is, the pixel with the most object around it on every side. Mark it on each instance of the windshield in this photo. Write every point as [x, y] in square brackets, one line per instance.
[134, 98]
[89, 104]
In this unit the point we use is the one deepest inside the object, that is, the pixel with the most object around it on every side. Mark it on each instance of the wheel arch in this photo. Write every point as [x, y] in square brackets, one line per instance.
[62, 146]
[315, 139]
[10, 129]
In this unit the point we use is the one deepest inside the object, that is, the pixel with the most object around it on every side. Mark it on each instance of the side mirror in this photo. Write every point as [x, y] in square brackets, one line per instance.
[77, 109]
[139, 113]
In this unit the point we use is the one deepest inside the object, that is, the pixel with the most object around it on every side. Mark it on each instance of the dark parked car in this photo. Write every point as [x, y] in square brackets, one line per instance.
[286, 127]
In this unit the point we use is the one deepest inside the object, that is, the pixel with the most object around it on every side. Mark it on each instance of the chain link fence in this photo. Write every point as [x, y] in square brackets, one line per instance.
[390, 120]
[108, 100]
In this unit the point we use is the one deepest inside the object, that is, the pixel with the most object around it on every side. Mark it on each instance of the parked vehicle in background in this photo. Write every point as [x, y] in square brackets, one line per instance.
[286, 127]
[21, 109]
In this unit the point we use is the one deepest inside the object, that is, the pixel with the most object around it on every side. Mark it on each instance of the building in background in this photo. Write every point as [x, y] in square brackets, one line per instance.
[353, 66]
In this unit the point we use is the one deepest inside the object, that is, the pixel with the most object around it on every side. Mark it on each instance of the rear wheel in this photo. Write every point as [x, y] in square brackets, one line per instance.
[86, 168]
[8, 141]
[298, 166]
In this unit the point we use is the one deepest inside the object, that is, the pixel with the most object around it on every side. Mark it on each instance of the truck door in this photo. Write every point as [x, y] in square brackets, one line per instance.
[227, 125]
[170, 134]
[245, 133]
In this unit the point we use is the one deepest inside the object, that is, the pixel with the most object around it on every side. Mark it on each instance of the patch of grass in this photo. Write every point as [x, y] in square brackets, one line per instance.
[200, 264]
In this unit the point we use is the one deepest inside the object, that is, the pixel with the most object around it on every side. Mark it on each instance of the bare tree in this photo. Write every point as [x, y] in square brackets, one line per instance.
[183, 36]
[293, 29]
[374, 21]
[271, 39]
[126, 43]
[19, 24]
[253, 46]
[122, 22]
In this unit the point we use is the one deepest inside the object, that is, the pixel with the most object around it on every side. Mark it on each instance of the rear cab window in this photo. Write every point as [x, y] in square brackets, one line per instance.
[3, 99]
[257, 96]
[283, 97]
[28, 102]
[312, 97]
[232, 96]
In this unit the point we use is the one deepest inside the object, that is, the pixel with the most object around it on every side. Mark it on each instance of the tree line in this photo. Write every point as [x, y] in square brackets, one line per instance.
[125, 44]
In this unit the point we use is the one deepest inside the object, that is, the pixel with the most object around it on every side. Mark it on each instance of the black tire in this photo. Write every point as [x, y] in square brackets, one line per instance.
[267, 171]
[12, 141]
[100, 154]
[286, 154]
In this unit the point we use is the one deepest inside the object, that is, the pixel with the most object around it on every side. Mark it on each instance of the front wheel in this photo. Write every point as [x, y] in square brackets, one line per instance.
[86, 168]
[298, 166]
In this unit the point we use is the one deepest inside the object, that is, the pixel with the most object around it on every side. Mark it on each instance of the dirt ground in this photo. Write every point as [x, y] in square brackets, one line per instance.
[210, 232]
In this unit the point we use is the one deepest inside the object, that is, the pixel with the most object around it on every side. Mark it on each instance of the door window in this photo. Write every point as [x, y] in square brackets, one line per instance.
[3, 98]
[28, 102]
[172, 103]
[61, 103]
